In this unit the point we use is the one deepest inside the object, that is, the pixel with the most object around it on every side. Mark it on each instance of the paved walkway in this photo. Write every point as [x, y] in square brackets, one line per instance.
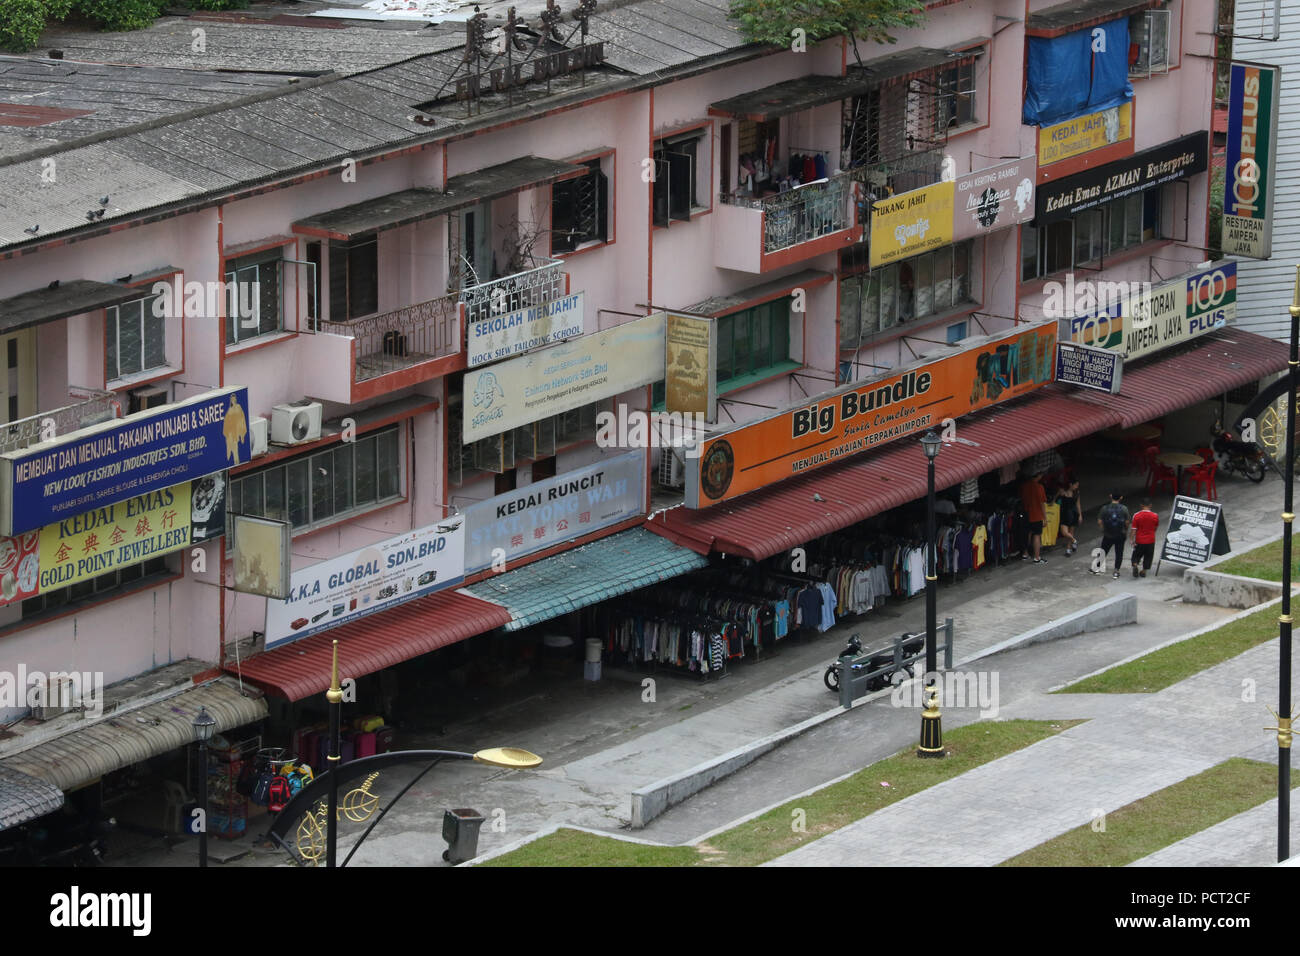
[1138, 744]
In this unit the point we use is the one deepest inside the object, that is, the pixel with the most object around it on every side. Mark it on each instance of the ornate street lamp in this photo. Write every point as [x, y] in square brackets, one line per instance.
[203, 724]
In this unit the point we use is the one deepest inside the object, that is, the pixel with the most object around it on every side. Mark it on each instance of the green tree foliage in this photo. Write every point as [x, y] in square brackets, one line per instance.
[119, 14]
[218, 4]
[21, 22]
[775, 21]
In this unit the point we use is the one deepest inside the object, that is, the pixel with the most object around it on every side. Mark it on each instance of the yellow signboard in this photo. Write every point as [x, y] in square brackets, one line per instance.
[1083, 134]
[911, 223]
[690, 365]
[101, 541]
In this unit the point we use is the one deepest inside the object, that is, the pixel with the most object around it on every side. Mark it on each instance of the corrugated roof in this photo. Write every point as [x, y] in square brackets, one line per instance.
[1217, 363]
[1077, 14]
[24, 797]
[372, 643]
[594, 572]
[65, 299]
[787, 515]
[130, 736]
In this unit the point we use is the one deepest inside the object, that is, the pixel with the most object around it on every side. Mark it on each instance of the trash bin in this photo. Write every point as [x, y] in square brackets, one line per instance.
[460, 830]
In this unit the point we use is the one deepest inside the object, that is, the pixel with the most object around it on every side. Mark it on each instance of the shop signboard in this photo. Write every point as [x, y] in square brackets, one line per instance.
[1197, 529]
[122, 459]
[1070, 195]
[1089, 367]
[96, 542]
[554, 511]
[263, 552]
[1251, 160]
[911, 223]
[513, 333]
[690, 365]
[558, 379]
[1083, 134]
[370, 579]
[994, 198]
[861, 416]
[1149, 319]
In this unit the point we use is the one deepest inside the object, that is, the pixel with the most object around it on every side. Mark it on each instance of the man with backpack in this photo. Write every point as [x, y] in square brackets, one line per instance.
[1113, 519]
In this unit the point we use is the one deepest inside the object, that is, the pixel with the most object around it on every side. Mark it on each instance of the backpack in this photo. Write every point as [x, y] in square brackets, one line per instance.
[1114, 520]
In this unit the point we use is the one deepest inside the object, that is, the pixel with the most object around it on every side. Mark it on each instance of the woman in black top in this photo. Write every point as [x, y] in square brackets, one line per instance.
[1070, 511]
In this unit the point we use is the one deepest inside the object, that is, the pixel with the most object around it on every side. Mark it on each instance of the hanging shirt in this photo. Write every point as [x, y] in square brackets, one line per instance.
[810, 607]
[828, 607]
[782, 609]
[978, 537]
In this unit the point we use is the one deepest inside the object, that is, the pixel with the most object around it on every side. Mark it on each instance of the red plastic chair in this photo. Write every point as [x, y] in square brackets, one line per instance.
[1159, 477]
[1207, 454]
[1146, 460]
[1202, 477]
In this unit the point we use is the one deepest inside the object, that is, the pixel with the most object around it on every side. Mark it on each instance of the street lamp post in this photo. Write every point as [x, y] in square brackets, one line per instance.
[335, 698]
[931, 722]
[1284, 663]
[203, 726]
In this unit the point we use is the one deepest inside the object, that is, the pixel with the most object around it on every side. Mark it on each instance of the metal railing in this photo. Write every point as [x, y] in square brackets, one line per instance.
[803, 213]
[399, 339]
[25, 432]
[522, 290]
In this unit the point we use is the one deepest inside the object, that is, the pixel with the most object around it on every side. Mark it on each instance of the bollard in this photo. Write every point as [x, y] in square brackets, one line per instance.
[845, 665]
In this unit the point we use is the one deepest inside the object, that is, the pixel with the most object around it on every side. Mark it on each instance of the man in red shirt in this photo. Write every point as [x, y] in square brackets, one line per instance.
[1145, 523]
[1034, 498]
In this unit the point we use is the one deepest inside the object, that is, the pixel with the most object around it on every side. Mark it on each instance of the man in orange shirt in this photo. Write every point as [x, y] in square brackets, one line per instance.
[1145, 523]
[1034, 498]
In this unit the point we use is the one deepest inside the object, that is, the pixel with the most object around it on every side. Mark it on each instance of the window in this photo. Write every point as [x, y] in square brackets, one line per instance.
[676, 162]
[753, 343]
[253, 296]
[1148, 48]
[325, 485]
[135, 338]
[354, 278]
[580, 210]
[956, 90]
[93, 587]
[1110, 228]
[902, 292]
[499, 454]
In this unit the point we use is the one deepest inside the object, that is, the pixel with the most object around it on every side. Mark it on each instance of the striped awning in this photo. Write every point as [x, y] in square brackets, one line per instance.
[575, 579]
[24, 798]
[128, 736]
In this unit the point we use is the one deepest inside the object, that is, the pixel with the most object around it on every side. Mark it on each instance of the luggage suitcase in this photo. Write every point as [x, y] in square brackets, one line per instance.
[385, 739]
[347, 748]
[364, 743]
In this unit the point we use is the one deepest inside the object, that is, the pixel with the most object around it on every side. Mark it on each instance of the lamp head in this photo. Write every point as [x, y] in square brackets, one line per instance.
[931, 443]
[511, 757]
[204, 724]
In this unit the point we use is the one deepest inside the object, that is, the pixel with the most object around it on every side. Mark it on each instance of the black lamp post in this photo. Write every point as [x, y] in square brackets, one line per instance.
[1284, 621]
[931, 443]
[203, 725]
[334, 696]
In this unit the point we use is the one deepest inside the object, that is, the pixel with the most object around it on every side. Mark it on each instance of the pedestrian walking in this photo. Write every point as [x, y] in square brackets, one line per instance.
[1034, 498]
[1145, 523]
[1071, 509]
[1113, 519]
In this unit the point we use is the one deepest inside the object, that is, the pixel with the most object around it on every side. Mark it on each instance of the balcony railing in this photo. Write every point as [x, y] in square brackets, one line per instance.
[521, 290]
[402, 338]
[25, 432]
[801, 214]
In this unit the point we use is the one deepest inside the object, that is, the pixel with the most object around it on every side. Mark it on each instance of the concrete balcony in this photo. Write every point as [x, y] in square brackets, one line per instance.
[761, 234]
[361, 358]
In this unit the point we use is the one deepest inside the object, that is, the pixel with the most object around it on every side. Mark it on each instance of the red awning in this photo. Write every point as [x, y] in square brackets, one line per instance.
[372, 643]
[1218, 363]
[784, 516]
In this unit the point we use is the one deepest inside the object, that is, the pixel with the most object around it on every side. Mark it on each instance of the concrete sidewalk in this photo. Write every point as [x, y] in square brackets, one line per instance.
[1135, 745]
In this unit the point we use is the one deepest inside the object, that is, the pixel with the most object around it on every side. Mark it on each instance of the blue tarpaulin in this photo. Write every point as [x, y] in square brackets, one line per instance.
[1068, 79]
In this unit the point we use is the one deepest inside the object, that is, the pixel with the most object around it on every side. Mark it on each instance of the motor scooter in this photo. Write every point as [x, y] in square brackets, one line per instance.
[1237, 457]
[892, 677]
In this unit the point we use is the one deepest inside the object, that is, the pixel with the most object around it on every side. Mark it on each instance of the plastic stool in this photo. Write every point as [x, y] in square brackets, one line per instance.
[176, 798]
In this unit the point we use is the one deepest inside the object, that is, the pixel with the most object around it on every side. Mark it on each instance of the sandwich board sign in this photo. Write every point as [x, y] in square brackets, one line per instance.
[1197, 530]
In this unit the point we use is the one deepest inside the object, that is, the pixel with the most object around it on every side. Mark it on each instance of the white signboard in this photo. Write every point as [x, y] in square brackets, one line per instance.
[531, 387]
[512, 333]
[371, 579]
[554, 511]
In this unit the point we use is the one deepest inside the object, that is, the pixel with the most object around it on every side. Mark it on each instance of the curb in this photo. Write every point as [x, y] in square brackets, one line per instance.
[653, 800]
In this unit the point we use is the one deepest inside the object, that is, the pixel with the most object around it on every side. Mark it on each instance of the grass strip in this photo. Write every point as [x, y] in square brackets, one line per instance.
[1168, 665]
[1265, 562]
[1162, 818]
[775, 832]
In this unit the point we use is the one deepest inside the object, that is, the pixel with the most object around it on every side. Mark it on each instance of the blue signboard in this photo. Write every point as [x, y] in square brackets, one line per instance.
[1089, 367]
[124, 458]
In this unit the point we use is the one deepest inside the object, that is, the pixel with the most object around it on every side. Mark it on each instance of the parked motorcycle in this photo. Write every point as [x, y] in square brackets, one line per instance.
[1237, 457]
[889, 678]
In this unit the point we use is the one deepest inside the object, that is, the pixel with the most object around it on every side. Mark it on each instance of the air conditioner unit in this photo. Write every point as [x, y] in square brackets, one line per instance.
[296, 423]
[260, 432]
[53, 696]
[146, 398]
[672, 469]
